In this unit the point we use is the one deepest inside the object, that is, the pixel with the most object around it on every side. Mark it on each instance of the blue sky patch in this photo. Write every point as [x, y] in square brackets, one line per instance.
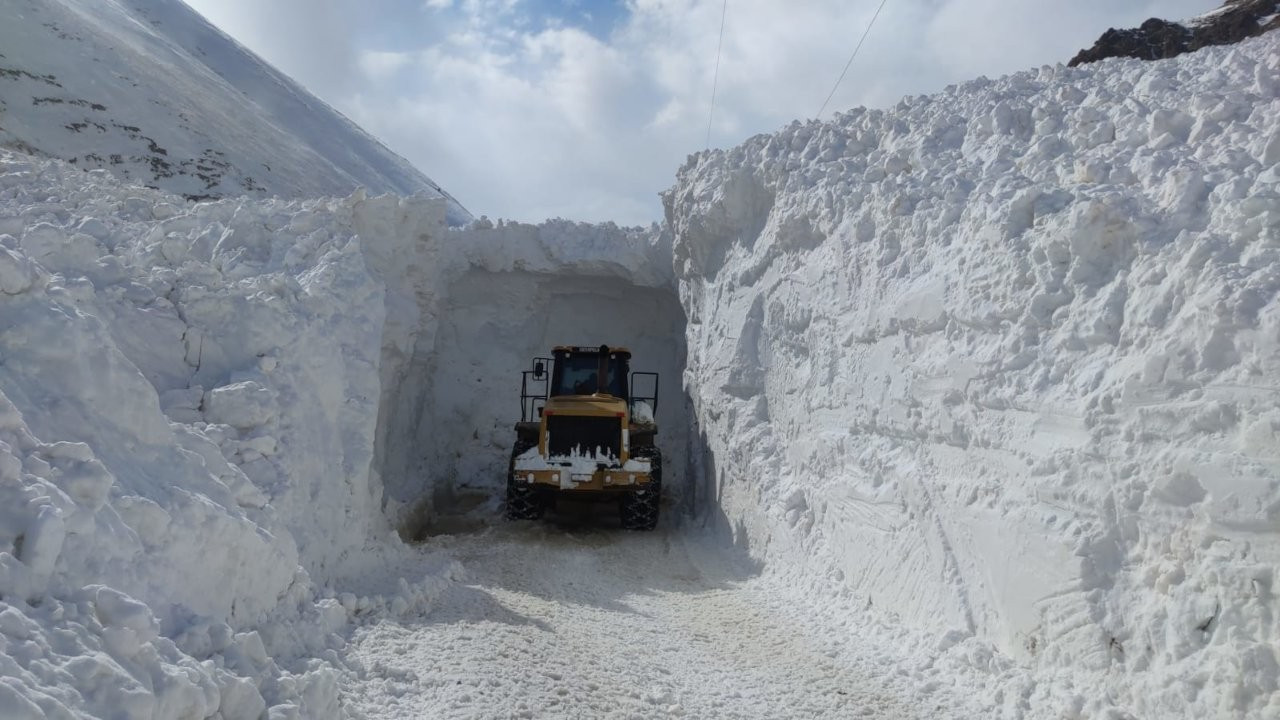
[597, 17]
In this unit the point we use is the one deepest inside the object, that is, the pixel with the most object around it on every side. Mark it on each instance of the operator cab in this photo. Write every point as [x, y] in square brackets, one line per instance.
[576, 371]
[573, 372]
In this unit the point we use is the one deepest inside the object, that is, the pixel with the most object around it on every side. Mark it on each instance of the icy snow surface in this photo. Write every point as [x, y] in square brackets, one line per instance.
[583, 621]
[152, 92]
[1005, 362]
[986, 386]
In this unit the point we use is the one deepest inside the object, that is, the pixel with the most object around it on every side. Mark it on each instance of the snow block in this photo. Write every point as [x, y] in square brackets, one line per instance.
[243, 405]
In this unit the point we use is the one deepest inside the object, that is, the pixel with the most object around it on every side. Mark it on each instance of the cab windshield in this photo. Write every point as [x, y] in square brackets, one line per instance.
[575, 374]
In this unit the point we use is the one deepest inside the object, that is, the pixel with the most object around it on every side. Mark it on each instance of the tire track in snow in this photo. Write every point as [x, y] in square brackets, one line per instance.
[592, 622]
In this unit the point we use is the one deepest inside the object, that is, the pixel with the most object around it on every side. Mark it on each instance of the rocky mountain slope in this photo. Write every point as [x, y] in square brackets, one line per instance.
[1159, 39]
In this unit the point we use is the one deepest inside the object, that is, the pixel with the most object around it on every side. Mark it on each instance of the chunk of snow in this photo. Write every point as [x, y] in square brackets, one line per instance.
[243, 405]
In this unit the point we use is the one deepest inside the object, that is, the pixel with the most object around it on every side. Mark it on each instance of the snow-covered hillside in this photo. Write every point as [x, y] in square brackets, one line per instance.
[1005, 362]
[152, 92]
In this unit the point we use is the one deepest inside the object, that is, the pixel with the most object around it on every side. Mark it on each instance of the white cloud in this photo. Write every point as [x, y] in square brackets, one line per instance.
[379, 66]
[523, 118]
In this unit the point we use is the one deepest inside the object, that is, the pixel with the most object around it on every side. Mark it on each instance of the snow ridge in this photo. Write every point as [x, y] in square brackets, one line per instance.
[1003, 361]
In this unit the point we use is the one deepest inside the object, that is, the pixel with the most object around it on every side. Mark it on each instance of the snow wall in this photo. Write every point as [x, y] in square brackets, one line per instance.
[188, 405]
[1005, 362]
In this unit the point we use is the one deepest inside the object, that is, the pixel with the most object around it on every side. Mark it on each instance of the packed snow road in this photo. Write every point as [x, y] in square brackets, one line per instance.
[583, 620]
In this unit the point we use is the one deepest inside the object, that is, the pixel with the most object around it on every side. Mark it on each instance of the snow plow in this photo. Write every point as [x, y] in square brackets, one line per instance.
[585, 432]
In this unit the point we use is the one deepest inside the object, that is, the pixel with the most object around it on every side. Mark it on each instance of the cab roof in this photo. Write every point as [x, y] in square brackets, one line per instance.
[589, 349]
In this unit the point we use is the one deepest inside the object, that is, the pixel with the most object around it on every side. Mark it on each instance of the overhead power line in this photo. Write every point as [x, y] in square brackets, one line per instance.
[865, 33]
[715, 80]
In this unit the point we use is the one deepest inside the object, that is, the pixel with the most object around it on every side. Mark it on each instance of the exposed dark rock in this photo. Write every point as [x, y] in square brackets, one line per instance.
[1157, 39]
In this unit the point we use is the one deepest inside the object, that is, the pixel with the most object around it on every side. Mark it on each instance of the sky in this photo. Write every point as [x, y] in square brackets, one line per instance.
[585, 109]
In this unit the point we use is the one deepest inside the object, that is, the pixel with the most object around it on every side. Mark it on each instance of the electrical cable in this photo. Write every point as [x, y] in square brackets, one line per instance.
[865, 33]
[716, 78]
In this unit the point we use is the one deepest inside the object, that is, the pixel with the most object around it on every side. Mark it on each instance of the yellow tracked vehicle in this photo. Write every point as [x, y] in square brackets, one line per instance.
[584, 432]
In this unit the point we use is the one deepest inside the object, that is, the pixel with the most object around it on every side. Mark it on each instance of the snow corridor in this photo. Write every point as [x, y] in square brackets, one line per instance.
[972, 409]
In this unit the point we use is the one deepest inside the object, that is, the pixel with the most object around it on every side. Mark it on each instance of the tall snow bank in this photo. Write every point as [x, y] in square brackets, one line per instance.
[189, 402]
[1005, 361]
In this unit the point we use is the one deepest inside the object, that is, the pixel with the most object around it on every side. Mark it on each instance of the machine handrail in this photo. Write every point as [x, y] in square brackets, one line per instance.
[529, 397]
[653, 399]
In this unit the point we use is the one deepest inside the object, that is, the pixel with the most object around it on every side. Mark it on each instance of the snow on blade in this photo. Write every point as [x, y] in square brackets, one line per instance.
[1004, 360]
